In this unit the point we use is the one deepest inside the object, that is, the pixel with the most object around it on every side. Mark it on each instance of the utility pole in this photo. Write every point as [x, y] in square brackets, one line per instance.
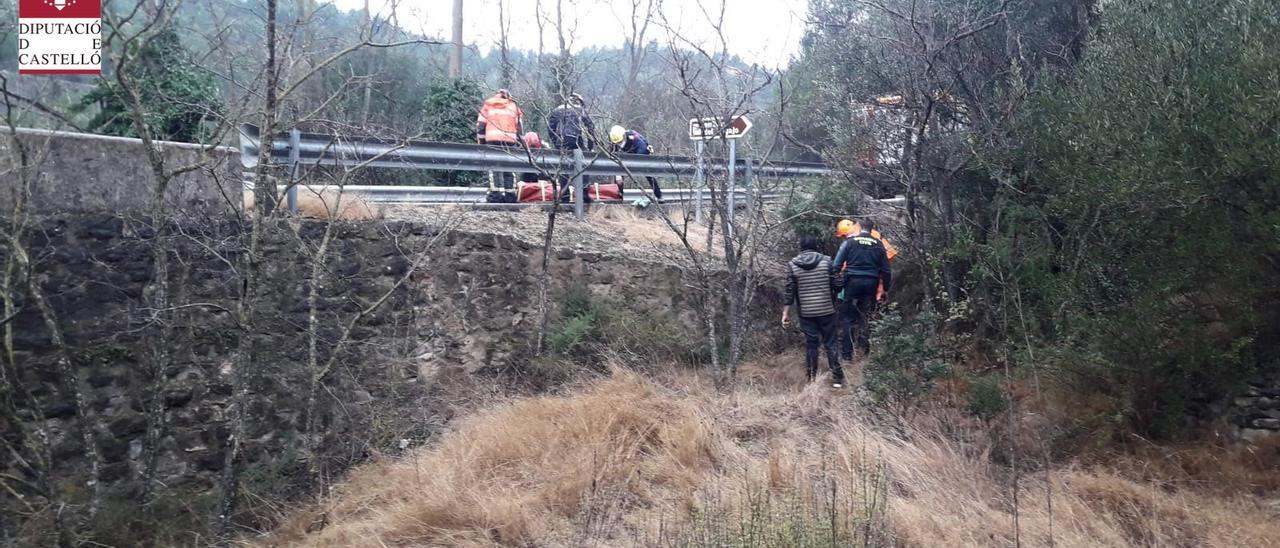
[455, 59]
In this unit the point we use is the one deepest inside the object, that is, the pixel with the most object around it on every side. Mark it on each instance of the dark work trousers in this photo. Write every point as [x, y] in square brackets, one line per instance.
[564, 181]
[657, 190]
[821, 329]
[859, 303]
[506, 179]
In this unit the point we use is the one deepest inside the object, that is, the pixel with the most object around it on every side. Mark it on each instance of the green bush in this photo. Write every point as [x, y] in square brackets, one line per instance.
[644, 340]
[581, 318]
[905, 360]
[986, 398]
[449, 116]
[594, 331]
[179, 99]
[819, 206]
[572, 333]
[1138, 227]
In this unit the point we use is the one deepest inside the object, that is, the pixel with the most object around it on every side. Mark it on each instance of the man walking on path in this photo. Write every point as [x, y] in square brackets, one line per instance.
[811, 284]
[865, 264]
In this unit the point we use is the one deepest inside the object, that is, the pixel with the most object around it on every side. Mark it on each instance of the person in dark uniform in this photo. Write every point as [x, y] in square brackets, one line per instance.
[629, 141]
[570, 128]
[865, 264]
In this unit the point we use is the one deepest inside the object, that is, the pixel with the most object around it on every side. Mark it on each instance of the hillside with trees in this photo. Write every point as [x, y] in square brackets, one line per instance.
[1092, 188]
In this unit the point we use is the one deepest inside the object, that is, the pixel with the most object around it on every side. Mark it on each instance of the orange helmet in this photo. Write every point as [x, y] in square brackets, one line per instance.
[844, 228]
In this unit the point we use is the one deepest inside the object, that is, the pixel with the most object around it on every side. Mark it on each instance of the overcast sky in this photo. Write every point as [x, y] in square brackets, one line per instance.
[760, 31]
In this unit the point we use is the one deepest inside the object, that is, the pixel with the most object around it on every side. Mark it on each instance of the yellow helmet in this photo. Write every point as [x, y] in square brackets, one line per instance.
[616, 134]
[844, 228]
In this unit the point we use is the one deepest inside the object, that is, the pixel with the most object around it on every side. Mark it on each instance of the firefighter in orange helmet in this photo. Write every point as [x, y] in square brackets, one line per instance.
[845, 228]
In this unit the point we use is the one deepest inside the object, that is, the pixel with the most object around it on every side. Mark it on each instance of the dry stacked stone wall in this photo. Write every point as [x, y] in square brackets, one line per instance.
[157, 385]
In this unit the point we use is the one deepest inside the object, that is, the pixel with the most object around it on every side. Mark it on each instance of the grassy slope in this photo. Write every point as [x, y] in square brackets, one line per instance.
[626, 461]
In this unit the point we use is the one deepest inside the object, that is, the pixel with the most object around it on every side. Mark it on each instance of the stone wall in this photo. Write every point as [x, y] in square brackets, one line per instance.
[466, 317]
[1256, 412]
[80, 172]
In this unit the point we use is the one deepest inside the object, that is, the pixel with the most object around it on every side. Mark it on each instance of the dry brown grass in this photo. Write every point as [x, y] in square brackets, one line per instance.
[1225, 469]
[620, 229]
[329, 204]
[646, 228]
[325, 205]
[627, 461]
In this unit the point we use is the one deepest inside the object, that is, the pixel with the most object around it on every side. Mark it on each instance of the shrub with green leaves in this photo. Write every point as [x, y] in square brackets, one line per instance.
[821, 204]
[179, 99]
[449, 116]
[904, 362]
[1138, 226]
[986, 398]
[581, 316]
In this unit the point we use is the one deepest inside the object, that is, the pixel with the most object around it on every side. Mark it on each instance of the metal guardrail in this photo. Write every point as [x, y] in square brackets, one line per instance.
[472, 195]
[328, 150]
[313, 149]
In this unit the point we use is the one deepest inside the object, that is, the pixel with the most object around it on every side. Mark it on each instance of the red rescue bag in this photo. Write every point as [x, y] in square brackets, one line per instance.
[536, 192]
[608, 192]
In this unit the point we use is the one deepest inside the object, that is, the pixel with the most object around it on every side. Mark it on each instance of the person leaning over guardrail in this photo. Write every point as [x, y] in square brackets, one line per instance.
[630, 141]
[500, 123]
[811, 286]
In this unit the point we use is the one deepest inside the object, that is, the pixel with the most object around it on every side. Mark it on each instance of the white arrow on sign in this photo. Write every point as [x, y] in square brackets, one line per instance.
[706, 129]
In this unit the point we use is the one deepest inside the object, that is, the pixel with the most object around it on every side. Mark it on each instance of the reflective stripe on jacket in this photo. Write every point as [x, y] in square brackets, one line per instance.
[890, 253]
[499, 120]
[864, 257]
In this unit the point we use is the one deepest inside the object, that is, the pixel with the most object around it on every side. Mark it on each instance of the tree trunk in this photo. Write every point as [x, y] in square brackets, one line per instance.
[946, 202]
[545, 278]
[368, 68]
[455, 57]
[70, 381]
[230, 481]
[504, 47]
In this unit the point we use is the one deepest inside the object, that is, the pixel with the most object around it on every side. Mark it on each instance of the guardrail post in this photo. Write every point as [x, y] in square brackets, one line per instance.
[698, 178]
[295, 151]
[732, 187]
[578, 185]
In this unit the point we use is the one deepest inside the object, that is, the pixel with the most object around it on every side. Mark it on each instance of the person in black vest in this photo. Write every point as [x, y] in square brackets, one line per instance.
[811, 286]
[865, 264]
[570, 128]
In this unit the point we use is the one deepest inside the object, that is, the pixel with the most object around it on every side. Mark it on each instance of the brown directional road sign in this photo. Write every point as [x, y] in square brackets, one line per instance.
[705, 129]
